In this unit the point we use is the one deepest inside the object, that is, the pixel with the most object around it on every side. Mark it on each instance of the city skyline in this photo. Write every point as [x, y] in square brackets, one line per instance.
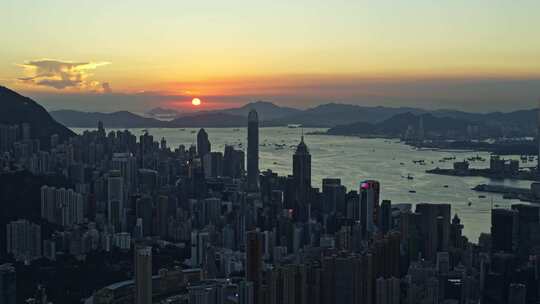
[246, 152]
[478, 56]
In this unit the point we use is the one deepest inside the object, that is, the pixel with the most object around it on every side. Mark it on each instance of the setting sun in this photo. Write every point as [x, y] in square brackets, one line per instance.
[196, 102]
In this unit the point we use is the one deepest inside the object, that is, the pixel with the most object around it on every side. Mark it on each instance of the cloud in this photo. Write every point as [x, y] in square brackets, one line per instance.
[106, 87]
[61, 75]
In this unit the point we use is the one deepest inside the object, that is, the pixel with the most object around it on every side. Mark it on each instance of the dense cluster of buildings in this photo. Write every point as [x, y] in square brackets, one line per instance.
[254, 237]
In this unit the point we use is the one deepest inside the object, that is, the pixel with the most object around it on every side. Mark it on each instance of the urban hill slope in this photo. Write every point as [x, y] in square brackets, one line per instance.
[17, 109]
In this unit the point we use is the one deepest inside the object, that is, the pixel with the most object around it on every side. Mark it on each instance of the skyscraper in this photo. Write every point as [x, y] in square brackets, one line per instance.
[203, 144]
[143, 275]
[115, 201]
[434, 225]
[8, 284]
[23, 240]
[302, 179]
[504, 230]
[367, 206]
[253, 151]
[254, 260]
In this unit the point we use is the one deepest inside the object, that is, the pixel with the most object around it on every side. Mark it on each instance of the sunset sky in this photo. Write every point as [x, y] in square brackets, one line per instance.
[475, 55]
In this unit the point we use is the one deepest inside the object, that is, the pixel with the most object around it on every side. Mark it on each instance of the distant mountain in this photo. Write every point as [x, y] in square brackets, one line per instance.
[209, 120]
[522, 120]
[121, 119]
[333, 114]
[397, 125]
[16, 109]
[162, 113]
[267, 111]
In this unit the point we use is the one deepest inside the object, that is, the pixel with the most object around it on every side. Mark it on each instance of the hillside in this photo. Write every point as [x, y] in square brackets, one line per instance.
[17, 109]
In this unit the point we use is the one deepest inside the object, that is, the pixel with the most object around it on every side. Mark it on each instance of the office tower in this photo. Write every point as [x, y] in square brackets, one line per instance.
[347, 279]
[432, 288]
[206, 293]
[200, 240]
[23, 240]
[434, 226]
[517, 294]
[254, 260]
[375, 186]
[302, 180]
[528, 221]
[101, 129]
[138, 230]
[367, 206]
[211, 210]
[146, 144]
[385, 216]
[126, 163]
[387, 291]
[456, 233]
[147, 180]
[203, 144]
[333, 195]
[162, 211]
[8, 284]
[163, 144]
[253, 152]
[213, 164]
[143, 210]
[443, 262]
[115, 199]
[504, 226]
[246, 292]
[143, 275]
[233, 162]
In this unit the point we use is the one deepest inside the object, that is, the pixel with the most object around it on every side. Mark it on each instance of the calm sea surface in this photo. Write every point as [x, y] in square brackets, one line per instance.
[355, 159]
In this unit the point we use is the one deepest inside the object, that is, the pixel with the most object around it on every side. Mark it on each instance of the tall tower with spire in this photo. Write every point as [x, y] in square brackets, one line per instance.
[302, 179]
[203, 144]
[253, 152]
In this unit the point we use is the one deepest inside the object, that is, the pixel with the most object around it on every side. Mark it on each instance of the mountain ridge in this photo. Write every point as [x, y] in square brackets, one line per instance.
[18, 109]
